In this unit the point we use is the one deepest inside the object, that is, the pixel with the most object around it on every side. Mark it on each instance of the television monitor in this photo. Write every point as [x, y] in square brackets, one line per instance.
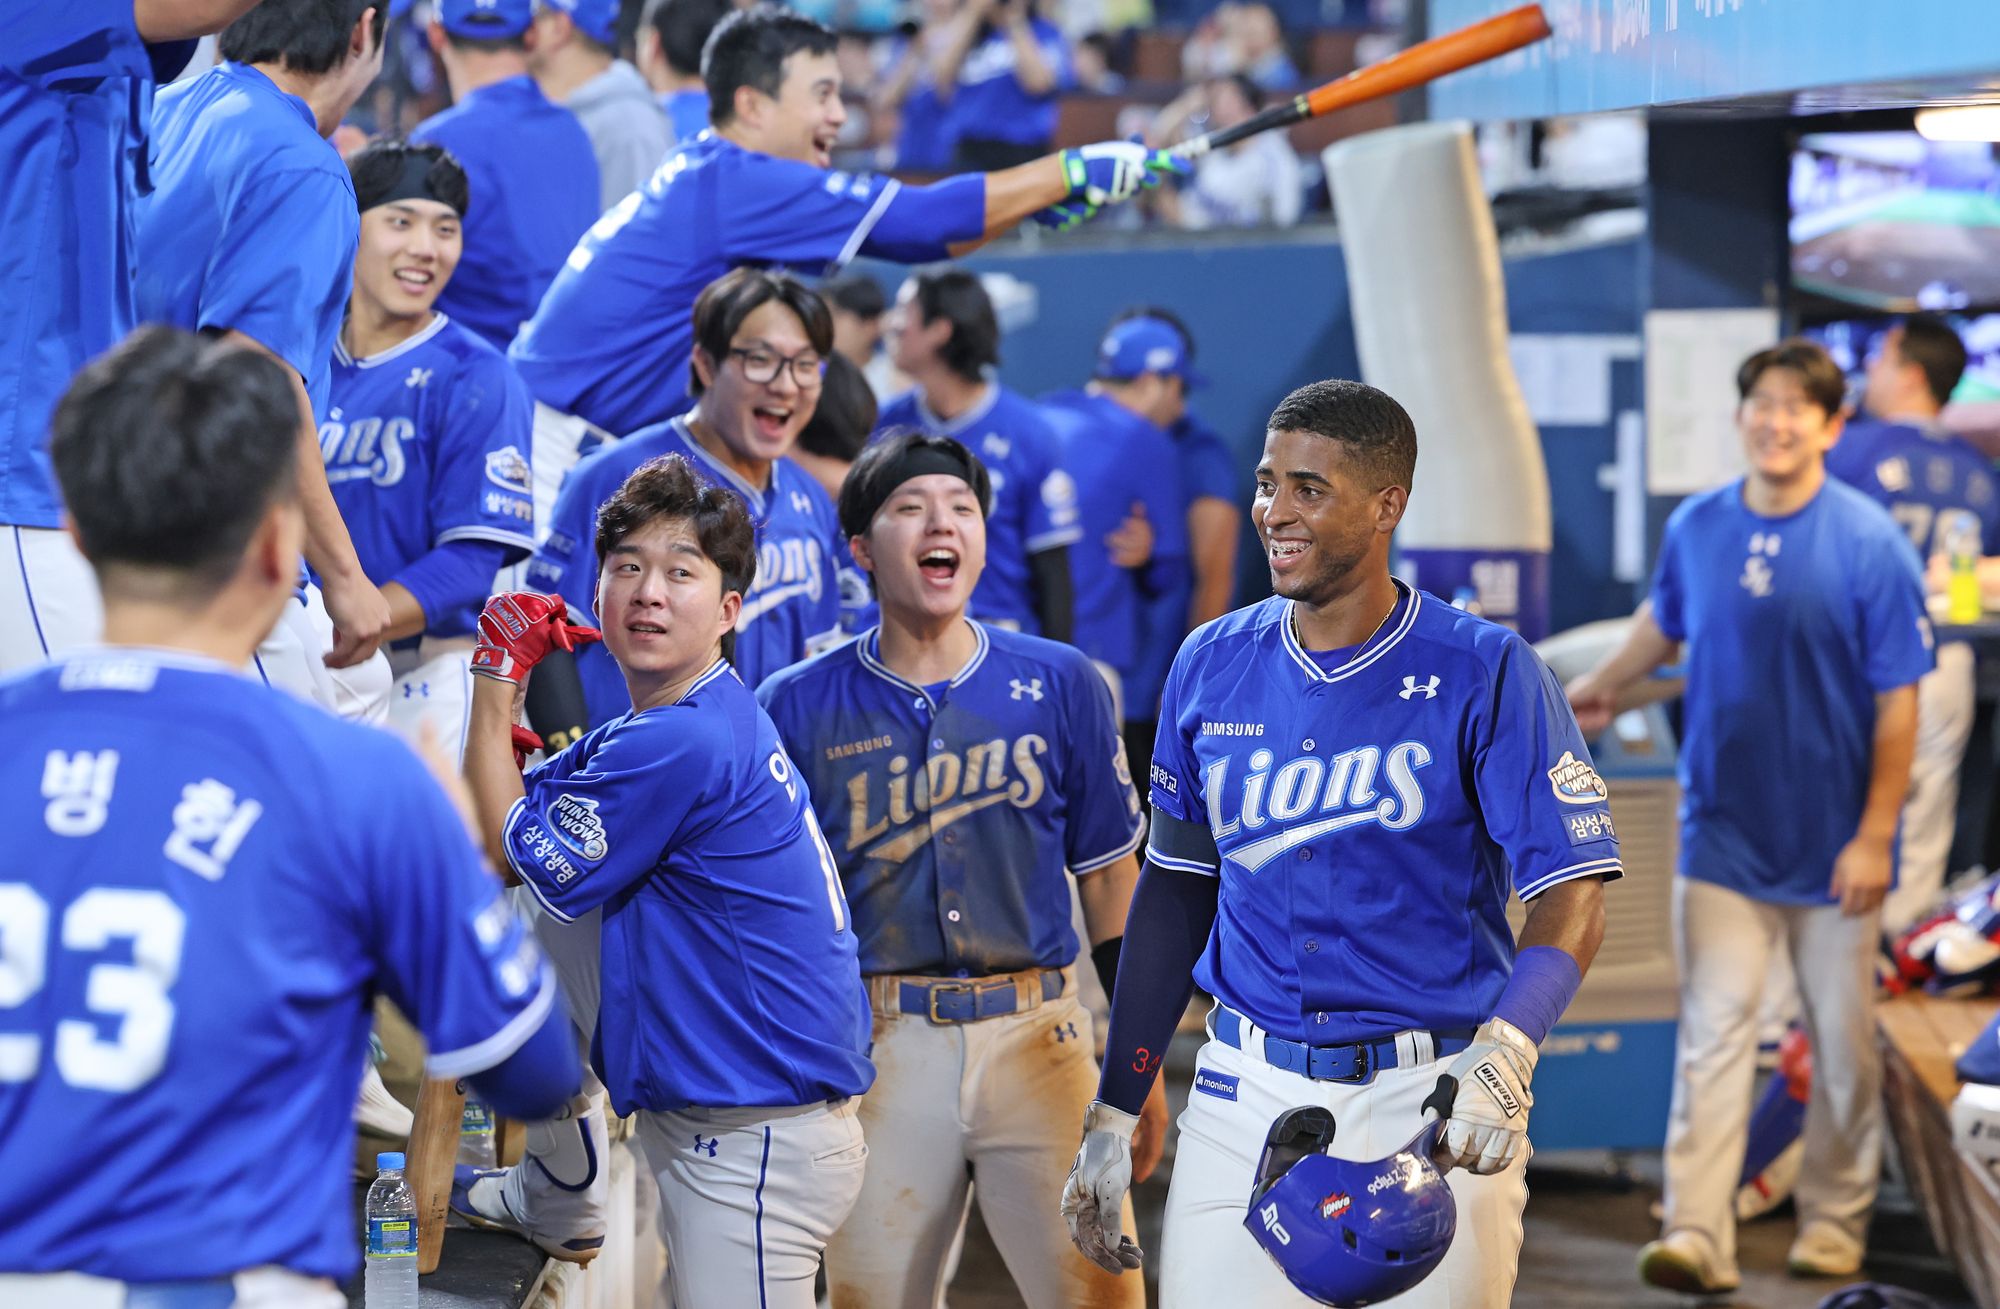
[1891, 222]
[1974, 411]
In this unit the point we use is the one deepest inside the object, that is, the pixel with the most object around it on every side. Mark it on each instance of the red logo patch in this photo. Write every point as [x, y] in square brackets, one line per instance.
[1334, 1205]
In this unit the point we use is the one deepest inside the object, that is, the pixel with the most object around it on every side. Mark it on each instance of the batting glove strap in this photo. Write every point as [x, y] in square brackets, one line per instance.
[495, 662]
[1489, 1118]
[1094, 1196]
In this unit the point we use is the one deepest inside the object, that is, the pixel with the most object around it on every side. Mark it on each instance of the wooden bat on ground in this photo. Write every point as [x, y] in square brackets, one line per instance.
[1424, 62]
[433, 1153]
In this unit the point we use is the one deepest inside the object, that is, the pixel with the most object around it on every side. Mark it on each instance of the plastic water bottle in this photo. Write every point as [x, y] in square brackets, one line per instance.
[1961, 541]
[392, 1238]
[475, 1134]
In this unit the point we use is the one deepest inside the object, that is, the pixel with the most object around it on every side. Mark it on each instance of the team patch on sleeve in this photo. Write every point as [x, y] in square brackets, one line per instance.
[1166, 781]
[1220, 1085]
[1585, 828]
[1576, 782]
[508, 468]
[578, 826]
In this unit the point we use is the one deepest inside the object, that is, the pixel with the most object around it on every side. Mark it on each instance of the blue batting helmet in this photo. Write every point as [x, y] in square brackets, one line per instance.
[1348, 1233]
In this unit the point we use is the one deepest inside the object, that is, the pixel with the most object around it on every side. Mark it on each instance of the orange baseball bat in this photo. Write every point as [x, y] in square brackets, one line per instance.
[1423, 62]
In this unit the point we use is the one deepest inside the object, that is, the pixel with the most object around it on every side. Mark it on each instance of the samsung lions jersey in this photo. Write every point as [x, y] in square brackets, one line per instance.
[427, 442]
[793, 608]
[728, 959]
[1034, 500]
[1919, 476]
[954, 811]
[208, 883]
[1370, 811]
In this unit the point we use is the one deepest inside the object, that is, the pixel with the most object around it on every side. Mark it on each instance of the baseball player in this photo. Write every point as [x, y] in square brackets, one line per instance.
[608, 350]
[76, 88]
[213, 881]
[962, 774]
[670, 42]
[1351, 778]
[528, 158]
[427, 436]
[1802, 610]
[575, 61]
[761, 341]
[1904, 460]
[250, 230]
[733, 1018]
[943, 333]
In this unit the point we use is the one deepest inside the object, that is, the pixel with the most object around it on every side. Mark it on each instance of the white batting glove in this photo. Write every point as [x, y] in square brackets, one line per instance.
[1094, 1197]
[1489, 1119]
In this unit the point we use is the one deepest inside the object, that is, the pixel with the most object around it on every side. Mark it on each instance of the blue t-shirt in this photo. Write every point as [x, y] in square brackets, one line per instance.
[1208, 470]
[1919, 475]
[687, 112]
[1370, 823]
[1034, 500]
[428, 442]
[955, 811]
[990, 104]
[610, 342]
[728, 959]
[252, 224]
[211, 882]
[793, 608]
[924, 140]
[1117, 458]
[1793, 626]
[534, 191]
[76, 92]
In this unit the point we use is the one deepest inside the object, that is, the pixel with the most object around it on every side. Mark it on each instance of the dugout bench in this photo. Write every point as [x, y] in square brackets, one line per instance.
[1960, 1197]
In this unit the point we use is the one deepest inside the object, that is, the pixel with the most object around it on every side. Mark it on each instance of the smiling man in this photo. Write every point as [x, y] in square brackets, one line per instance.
[1350, 781]
[1801, 606]
[963, 774]
[734, 1022]
[426, 439]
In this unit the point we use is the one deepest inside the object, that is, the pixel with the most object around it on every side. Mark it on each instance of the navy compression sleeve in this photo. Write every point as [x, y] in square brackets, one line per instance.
[1166, 931]
[538, 1079]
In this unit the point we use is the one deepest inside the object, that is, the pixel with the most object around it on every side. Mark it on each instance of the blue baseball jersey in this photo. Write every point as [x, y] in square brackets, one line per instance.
[1369, 812]
[1207, 470]
[212, 881]
[728, 959]
[533, 181]
[687, 112]
[76, 91]
[1793, 626]
[251, 224]
[1034, 500]
[611, 340]
[428, 442]
[955, 811]
[1919, 475]
[1117, 459]
[990, 103]
[794, 604]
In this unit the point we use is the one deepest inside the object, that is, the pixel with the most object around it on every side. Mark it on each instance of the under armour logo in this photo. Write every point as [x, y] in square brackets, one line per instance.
[801, 503]
[1065, 1032]
[418, 377]
[411, 689]
[1032, 688]
[1412, 687]
[1764, 543]
[706, 1147]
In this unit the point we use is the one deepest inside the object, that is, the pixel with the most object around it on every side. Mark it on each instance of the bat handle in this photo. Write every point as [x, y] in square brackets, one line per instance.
[1195, 149]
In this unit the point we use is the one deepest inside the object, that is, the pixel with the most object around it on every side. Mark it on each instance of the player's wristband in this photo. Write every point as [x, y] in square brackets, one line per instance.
[1545, 980]
[1104, 957]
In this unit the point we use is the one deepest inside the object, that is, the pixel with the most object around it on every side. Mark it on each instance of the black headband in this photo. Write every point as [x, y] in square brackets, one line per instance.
[918, 461]
[412, 183]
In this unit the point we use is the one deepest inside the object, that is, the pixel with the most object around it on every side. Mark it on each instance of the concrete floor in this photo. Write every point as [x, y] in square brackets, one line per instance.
[1586, 1221]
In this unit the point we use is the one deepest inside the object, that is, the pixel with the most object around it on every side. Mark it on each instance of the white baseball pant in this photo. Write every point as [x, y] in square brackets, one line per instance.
[433, 686]
[750, 1197]
[560, 440]
[1208, 1259]
[1946, 700]
[1723, 942]
[988, 1108]
[255, 1288]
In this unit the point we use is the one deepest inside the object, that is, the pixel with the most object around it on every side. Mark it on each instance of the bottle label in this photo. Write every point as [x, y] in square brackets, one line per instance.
[477, 1120]
[392, 1238]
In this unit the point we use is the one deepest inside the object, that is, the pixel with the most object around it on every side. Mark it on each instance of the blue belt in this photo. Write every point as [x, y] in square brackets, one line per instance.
[1356, 1062]
[948, 1001]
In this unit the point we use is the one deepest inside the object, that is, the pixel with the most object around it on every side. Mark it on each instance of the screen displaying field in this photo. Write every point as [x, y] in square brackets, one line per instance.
[1891, 222]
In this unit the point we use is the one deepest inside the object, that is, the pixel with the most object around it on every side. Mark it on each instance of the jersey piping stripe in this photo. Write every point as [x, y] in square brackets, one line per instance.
[1367, 656]
[424, 334]
[1153, 855]
[1092, 865]
[494, 534]
[866, 225]
[953, 426]
[497, 1047]
[870, 641]
[763, 1167]
[1598, 867]
[28, 590]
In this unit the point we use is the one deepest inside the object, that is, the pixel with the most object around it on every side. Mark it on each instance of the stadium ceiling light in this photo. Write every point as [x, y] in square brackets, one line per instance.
[1960, 123]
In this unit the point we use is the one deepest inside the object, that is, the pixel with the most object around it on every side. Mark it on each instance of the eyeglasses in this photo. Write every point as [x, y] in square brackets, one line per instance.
[762, 366]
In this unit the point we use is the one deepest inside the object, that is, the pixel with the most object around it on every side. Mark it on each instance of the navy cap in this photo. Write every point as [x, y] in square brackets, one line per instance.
[596, 19]
[486, 19]
[1146, 345]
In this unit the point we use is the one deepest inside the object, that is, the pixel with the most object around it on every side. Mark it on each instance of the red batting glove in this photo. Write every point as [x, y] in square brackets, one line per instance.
[518, 629]
[525, 744]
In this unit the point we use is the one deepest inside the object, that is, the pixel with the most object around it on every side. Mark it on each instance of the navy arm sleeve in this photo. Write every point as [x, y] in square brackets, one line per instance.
[1172, 914]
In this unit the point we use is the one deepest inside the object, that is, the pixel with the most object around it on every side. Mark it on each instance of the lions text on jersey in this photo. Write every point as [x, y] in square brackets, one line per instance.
[1369, 811]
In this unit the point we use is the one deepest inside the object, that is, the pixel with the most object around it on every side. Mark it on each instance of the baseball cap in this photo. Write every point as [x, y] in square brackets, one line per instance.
[1146, 345]
[486, 19]
[596, 19]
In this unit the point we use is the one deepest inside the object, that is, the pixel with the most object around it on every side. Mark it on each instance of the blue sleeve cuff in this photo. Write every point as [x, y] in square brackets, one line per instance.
[455, 575]
[922, 223]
